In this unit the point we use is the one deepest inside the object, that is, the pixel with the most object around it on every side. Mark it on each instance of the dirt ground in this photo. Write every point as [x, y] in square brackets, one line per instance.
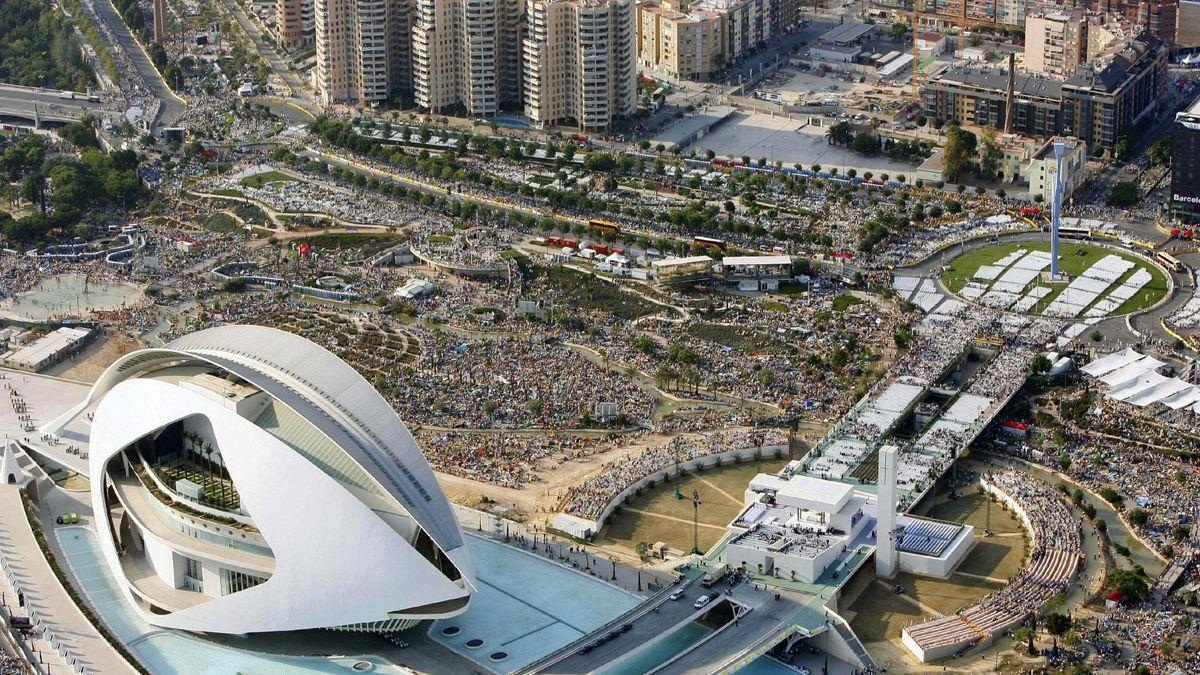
[657, 515]
[87, 365]
[538, 500]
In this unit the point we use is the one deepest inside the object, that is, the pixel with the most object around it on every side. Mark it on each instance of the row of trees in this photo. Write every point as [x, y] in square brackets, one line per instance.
[39, 48]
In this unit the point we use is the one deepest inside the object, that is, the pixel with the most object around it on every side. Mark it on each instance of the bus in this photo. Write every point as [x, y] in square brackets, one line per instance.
[709, 242]
[1169, 261]
[1075, 232]
[603, 226]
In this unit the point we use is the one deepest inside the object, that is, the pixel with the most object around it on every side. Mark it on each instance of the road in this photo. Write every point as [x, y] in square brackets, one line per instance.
[22, 102]
[267, 51]
[172, 105]
[1127, 170]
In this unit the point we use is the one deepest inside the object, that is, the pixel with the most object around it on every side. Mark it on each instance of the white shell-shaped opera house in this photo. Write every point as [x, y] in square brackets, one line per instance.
[246, 480]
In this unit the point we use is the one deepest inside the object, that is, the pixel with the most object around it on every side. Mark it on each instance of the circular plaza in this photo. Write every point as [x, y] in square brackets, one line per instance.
[1096, 281]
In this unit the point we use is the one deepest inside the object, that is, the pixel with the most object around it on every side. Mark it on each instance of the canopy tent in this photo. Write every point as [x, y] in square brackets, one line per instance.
[1111, 362]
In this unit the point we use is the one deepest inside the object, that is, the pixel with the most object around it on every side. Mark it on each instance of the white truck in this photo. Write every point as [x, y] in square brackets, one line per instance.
[714, 574]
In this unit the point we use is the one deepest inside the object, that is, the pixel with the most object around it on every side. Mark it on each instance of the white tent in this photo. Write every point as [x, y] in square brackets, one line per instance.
[1133, 370]
[1111, 362]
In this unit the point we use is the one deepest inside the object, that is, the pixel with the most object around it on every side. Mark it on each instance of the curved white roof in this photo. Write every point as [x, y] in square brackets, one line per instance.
[380, 441]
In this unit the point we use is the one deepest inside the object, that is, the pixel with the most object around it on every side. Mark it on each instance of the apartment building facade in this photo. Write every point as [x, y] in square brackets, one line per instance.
[685, 40]
[362, 50]
[466, 56]
[1185, 165]
[297, 23]
[575, 62]
[1055, 43]
[579, 62]
[1099, 103]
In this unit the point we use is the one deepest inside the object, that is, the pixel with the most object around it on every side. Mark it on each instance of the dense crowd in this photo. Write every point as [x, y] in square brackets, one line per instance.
[508, 460]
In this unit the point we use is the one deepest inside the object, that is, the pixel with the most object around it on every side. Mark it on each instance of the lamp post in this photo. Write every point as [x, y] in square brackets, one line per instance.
[696, 522]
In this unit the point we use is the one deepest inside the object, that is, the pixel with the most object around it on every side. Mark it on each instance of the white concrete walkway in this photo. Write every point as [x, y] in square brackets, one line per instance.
[70, 639]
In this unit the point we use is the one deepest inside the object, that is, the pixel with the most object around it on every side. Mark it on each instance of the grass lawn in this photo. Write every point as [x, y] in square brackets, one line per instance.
[664, 518]
[734, 337]
[1074, 260]
[773, 306]
[368, 243]
[220, 222]
[844, 302]
[260, 179]
[492, 314]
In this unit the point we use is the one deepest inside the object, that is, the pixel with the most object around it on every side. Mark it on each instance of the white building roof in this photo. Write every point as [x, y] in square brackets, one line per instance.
[678, 262]
[806, 492]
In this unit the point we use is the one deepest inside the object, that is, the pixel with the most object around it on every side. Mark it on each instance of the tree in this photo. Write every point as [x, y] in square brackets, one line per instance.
[1124, 195]
[1120, 149]
[898, 31]
[1057, 625]
[1130, 584]
[1160, 151]
[1110, 495]
[1138, 517]
[1023, 637]
[599, 161]
[866, 143]
[81, 134]
[960, 147]
[989, 162]
[840, 134]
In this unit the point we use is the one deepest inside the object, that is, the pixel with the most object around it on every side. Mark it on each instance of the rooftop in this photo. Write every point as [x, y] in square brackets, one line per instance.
[847, 32]
[806, 492]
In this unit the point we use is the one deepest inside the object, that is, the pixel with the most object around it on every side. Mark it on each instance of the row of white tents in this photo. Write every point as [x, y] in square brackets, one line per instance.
[1134, 378]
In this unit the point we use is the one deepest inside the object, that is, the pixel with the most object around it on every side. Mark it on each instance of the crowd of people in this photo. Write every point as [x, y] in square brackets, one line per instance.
[1053, 562]
[1151, 635]
[509, 460]
[288, 196]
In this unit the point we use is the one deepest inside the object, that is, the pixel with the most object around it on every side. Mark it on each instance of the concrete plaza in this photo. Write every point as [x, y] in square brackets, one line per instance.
[791, 142]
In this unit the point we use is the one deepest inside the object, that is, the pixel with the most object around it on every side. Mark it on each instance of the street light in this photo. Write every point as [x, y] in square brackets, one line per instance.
[696, 522]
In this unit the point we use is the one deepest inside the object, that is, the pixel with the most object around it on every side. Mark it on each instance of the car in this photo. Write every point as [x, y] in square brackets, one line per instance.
[677, 594]
[702, 601]
[612, 634]
[586, 648]
[625, 627]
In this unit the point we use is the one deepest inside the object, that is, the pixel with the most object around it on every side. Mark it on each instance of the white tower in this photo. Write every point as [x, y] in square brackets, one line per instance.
[885, 525]
[1056, 207]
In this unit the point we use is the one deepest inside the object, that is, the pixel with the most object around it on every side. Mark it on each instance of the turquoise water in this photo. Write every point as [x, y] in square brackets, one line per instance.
[765, 665]
[511, 122]
[660, 652]
[527, 607]
[167, 651]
